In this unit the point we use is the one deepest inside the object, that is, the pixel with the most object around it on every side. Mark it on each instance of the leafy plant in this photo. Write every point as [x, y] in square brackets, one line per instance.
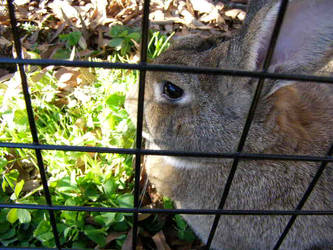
[94, 115]
[158, 43]
[124, 38]
[71, 107]
[184, 232]
[72, 41]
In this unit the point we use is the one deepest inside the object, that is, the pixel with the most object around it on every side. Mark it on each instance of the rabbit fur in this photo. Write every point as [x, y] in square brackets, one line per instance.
[291, 118]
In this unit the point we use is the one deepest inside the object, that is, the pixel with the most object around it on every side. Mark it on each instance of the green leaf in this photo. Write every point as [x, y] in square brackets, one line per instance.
[74, 38]
[45, 236]
[184, 232]
[110, 186]
[116, 30]
[96, 235]
[119, 217]
[9, 241]
[25, 244]
[126, 201]
[71, 38]
[112, 121]
[12, 177]
[120, 226]
[135, 36]
[24, 216]
[187, 235]
[167, 203]
[71, 233]
[9, 234]
[61, 228]
[33, 55]
[4, 227]
[4, 185]
[63, 37]
[91, 191]
[126, 47]
[115, 100]
[116, 43]
[43, 231]
[105, 219]
[12, 215]
[64, 186]
[79, 244]
[124, 33]
[20, 117]
[3, 163]
[18, 188]
[181, 224]
[62, 54]
[69, 217]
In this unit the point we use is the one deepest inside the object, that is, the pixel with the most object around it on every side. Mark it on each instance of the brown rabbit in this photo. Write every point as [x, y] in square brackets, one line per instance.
[207, 113]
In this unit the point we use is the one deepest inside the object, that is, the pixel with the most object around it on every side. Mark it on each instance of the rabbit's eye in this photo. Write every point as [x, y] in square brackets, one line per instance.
[172, 91]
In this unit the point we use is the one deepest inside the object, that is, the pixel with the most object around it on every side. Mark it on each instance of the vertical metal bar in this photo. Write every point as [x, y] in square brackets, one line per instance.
[304, 199]
[33, 128]
[142, 79]
[268, 58]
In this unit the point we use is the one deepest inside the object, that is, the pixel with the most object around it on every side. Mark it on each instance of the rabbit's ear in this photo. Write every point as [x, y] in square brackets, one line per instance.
[305, 39]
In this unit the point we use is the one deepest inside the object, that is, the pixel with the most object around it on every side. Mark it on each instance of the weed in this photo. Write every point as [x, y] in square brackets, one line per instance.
[71, 107]
[124, 39]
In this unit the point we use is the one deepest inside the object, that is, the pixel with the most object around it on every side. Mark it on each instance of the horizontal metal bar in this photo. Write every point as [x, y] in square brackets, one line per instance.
[35, 248]
[169, 211]
[171, 68]
[30, 248]
[247, 156]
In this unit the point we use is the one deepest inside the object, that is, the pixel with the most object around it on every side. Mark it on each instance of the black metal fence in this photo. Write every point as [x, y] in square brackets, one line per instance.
[143, 66]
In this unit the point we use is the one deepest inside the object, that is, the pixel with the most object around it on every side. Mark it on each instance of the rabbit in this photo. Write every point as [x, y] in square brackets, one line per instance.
[206, 113]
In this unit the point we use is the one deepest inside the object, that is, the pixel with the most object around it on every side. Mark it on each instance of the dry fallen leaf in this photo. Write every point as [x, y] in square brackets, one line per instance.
[38, 76]
[128, 242]
[99, 16]
[4, 42]
[21, 2]
[213, 16]
[202, 6]
[5, 76]
[160, 241]
[58, 32]
[69, 78]
[59, 7]
[235, 13]
[142, 217]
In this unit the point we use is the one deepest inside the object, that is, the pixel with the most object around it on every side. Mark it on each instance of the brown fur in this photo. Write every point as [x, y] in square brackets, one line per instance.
[292, 116]
[293, 119]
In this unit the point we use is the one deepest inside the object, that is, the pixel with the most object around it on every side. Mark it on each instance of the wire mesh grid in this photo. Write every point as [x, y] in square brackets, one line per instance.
[143, 67]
